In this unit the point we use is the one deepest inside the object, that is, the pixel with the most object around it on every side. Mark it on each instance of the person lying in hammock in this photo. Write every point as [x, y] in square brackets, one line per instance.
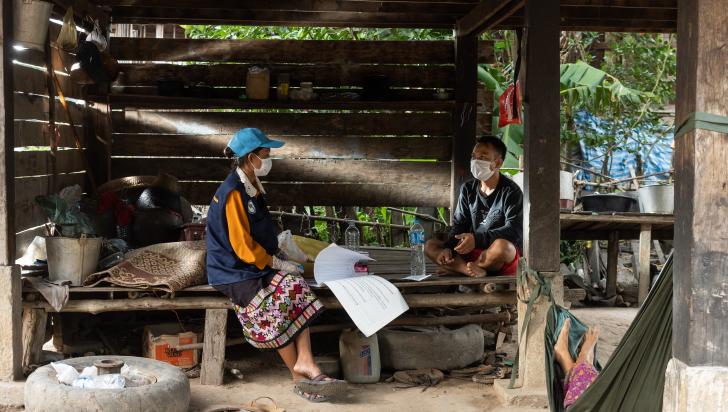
[580, 373]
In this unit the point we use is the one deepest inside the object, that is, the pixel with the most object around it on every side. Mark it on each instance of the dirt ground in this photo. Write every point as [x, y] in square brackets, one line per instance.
[265, 377]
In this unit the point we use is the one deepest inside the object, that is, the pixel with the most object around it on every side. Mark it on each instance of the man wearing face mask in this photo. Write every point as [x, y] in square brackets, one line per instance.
[487, 232]
[272, 301]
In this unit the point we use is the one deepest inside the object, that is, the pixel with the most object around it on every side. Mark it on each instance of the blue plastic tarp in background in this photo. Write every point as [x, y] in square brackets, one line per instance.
[655, 158]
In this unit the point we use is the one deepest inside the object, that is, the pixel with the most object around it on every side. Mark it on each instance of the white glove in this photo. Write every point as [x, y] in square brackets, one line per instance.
[286, 266]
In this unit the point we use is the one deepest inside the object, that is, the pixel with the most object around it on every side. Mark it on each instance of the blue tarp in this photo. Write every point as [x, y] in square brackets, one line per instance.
[655, 158]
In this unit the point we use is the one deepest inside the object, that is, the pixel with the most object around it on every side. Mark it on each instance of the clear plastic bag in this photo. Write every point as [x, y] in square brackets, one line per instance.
[66, 374]
[289, 247]
[97, 37]
[68, 37]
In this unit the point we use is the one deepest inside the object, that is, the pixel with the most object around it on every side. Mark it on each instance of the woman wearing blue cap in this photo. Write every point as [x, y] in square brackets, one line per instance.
[271, 299]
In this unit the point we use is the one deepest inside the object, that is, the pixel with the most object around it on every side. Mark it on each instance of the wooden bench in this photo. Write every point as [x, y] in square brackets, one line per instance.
[216, 306]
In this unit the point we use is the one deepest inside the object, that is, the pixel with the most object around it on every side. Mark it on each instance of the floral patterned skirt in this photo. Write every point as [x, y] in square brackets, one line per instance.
[278, 312]
[582, 375]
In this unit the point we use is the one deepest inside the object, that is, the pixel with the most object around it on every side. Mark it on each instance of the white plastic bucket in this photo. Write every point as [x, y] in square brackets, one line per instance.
[30, 22]
[72, 259]
[657, 199]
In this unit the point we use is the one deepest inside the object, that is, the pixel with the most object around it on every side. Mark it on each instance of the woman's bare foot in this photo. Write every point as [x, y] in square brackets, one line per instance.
[589, 342]
[473, 270]
[305, 371]
[561, 349]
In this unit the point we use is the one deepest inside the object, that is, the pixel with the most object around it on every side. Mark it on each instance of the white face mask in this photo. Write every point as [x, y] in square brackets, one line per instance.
[266, 165]
[481, 169]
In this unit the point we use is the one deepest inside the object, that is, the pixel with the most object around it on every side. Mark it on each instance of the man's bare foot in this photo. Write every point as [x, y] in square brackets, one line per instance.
[443, 271]
[473, 270]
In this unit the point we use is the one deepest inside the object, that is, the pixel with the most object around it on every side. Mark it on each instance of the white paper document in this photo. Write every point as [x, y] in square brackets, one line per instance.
[417, 278]
[370, 301]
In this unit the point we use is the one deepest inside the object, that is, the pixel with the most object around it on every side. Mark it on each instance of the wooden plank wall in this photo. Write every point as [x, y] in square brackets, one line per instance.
[340, 153]
[38, 169]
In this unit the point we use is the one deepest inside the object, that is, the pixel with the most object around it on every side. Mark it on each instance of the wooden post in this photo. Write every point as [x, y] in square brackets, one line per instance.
[644, 263]
[34, 328]
[697, 375]
[542, 136]
[701, 217]
[11, 350]
[213, 350]
[612, 263]
[541, 193]
[464, 116]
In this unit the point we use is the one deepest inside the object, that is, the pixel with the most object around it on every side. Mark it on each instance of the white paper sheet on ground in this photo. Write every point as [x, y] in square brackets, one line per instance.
[370, 301]
[335, 262]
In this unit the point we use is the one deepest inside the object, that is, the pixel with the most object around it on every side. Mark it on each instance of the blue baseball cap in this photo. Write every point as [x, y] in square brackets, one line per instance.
[246, 140]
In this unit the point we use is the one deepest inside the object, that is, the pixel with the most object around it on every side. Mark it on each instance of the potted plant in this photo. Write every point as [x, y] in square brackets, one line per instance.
[72, 247]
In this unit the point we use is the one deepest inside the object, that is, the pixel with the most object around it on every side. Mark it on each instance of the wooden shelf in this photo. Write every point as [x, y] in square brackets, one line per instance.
[140, 101]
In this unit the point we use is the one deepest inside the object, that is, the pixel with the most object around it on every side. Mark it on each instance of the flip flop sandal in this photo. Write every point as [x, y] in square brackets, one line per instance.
[320, 385]
[311, 397]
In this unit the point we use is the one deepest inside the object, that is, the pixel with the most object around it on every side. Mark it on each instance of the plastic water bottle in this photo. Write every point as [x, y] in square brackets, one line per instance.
[351, 237]
[417, 245]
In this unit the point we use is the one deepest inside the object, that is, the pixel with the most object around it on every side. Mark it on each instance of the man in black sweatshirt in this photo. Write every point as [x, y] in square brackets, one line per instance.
[487, 232]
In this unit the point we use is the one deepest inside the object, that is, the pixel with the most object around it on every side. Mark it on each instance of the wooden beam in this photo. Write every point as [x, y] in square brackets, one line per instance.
[322, 75]
[34, 329]
[11, 350]
[145, 15]
[7, 140]
[436, 174]
[541, 103]
[302, 147]
[669, 4]
[122, 7]
[334, 194]
[487, 15]
[431, 300]
[465, 115]
[288, 124]
[612, 263]
[291, 51]
[135, 101]
[700, 296]
[644, 263]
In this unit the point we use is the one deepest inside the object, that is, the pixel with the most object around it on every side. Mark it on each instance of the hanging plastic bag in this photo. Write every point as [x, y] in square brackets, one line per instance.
[509, 103]
[68, 37]
[509, 106]
[97, 37]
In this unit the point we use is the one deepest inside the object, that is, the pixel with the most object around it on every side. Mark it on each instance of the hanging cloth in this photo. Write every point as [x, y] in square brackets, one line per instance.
[634, 377]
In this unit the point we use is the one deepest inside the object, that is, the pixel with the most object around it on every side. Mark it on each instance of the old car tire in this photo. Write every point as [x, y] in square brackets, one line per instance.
[170, 392]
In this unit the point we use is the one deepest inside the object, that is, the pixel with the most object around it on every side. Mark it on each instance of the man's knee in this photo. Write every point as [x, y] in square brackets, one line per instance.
[501, 250]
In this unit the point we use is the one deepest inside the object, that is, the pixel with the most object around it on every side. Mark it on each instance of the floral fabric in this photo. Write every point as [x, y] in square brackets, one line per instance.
[278, 312]
[579, 380]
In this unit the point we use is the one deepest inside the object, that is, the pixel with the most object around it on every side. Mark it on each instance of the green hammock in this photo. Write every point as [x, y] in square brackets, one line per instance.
[634, 377]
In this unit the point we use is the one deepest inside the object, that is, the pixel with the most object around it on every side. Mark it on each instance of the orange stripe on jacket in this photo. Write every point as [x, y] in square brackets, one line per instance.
[247, 249]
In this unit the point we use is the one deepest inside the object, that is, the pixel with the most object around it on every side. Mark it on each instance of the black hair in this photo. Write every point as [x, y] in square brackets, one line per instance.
[495, 143]
[238, 161]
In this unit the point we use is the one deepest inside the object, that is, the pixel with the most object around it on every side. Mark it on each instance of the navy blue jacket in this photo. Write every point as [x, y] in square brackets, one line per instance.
[224, 265]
